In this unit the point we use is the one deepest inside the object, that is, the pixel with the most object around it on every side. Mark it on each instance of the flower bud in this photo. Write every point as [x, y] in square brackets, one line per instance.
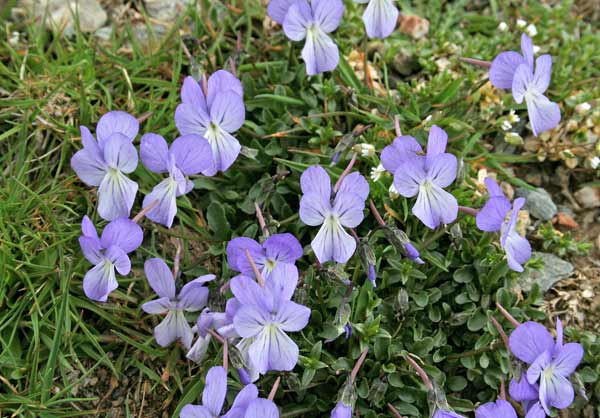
[368, 261]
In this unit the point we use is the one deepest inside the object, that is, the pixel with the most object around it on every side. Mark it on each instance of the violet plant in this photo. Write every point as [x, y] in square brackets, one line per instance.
[256, 321]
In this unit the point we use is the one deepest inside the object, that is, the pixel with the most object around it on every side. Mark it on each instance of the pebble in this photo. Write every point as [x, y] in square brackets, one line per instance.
[554, 270]
[588, 197]
[414, 26]
[539, 203]
[60, 13]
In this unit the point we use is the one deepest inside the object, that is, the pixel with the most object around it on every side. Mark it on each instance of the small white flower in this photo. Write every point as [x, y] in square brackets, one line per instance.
[513, 117]
[583, 108]
[365, 150]
[506, 125]
[377, 172]
[531, 30]
[521, 23]
[502, 27]
[536, 49]
[595, 162]
[513, 138]
[14, 39]
[393, 192]
[427, 119]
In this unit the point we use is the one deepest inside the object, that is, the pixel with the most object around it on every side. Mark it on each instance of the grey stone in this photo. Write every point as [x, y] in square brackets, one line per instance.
[61, 14]
[554, 270]
[165, 10]
[588, 197]
[539, 203]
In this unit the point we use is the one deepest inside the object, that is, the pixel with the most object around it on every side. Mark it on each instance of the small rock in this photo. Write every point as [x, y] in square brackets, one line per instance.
[405, 63]
[539, 203]
[588, 197]
[61, 13]
[414, 26]
[554, 270]
[565, 220]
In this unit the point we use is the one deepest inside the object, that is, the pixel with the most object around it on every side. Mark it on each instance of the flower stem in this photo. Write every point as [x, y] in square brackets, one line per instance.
[259, 278]
[359, 363]
[223, 341]
[144, 211]
[397, 129]
[204, 85]
[338, 184]
[177, 257]
[394, 411]
[501, 332]
[502, 390]
[376, 213]
[261, 220]
[468, 211]
[273, 391]
[507, 315]
[477, 62]
[420, 371]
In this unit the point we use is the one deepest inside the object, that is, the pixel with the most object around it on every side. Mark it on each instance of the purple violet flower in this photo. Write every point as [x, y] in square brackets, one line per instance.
[313, 22]
[424, 176]
[521, 391]
[119, 238]
[221, 322]
[511, 70]
[332, 242]
[263, 319]
[551, 363]
[214, 116]
[412, 253]
[380, 17]
[213, 396]
[277, 9]
[500, 408]
[443, 413]
[247, 404]
[104, 163]
[188, 155]
[276, 251]
[493, 218]
[192, 297]
[341, 411]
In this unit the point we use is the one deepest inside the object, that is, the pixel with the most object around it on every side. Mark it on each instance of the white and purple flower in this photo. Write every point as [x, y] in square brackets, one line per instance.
[265, 317]
[108, 253]
[276, 251]
[189, 155]
[493, 218]
[192, 298]
[317, 207]
[424, 176]
[551, 363]
[313, 22]
[511, 70]
[213, 114]
[104, 163]
[380, 17]
[246, 404]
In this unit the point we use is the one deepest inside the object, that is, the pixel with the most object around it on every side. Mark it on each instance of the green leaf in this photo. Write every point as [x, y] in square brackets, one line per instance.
[217, 221]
